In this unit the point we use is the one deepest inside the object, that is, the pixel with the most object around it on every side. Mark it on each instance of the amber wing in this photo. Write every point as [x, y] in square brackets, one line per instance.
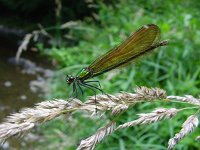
[134, 46]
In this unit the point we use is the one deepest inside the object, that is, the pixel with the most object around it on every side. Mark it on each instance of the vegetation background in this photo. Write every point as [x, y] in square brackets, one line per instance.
[94, 27]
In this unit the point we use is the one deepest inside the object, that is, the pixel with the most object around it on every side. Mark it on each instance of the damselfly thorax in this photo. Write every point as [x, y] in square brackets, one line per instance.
[80, 80]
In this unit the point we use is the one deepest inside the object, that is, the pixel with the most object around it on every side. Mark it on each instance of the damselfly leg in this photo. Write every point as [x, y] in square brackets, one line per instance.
[91, 88]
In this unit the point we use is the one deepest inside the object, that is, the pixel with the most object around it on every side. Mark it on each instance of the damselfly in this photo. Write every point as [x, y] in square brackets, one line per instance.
[144, 40]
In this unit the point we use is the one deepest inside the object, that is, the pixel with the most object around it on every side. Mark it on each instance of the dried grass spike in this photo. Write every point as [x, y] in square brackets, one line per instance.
[188, 126]
[19, 123]
[197, 138]
[187, 98]
[154, 116]
[23, 46]
[90, 142]
[151, 93]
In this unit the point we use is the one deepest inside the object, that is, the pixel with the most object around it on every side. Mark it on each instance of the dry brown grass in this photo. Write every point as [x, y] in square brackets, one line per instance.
[20, 123]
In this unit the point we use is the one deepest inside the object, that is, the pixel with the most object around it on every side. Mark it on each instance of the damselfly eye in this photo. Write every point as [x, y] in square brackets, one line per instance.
[69, 79]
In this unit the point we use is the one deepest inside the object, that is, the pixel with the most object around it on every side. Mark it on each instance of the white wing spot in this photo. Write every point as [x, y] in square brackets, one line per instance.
[145, 26]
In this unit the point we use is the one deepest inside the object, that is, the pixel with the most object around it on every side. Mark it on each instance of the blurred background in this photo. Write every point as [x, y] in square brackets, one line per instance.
[55, 38]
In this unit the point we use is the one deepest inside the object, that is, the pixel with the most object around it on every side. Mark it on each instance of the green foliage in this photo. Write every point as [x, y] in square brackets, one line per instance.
[174, 68]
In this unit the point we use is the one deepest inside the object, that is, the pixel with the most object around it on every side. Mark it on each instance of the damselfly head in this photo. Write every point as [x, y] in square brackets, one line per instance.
[70, 79]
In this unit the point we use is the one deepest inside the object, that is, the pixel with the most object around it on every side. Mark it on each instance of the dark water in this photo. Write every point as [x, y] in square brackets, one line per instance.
[15, 90]
[14, 86]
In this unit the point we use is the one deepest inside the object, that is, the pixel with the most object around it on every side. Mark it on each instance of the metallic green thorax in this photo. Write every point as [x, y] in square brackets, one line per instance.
[84, 74]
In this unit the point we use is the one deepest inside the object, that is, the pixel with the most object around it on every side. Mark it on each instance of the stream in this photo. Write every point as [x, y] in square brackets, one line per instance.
[22, 84]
